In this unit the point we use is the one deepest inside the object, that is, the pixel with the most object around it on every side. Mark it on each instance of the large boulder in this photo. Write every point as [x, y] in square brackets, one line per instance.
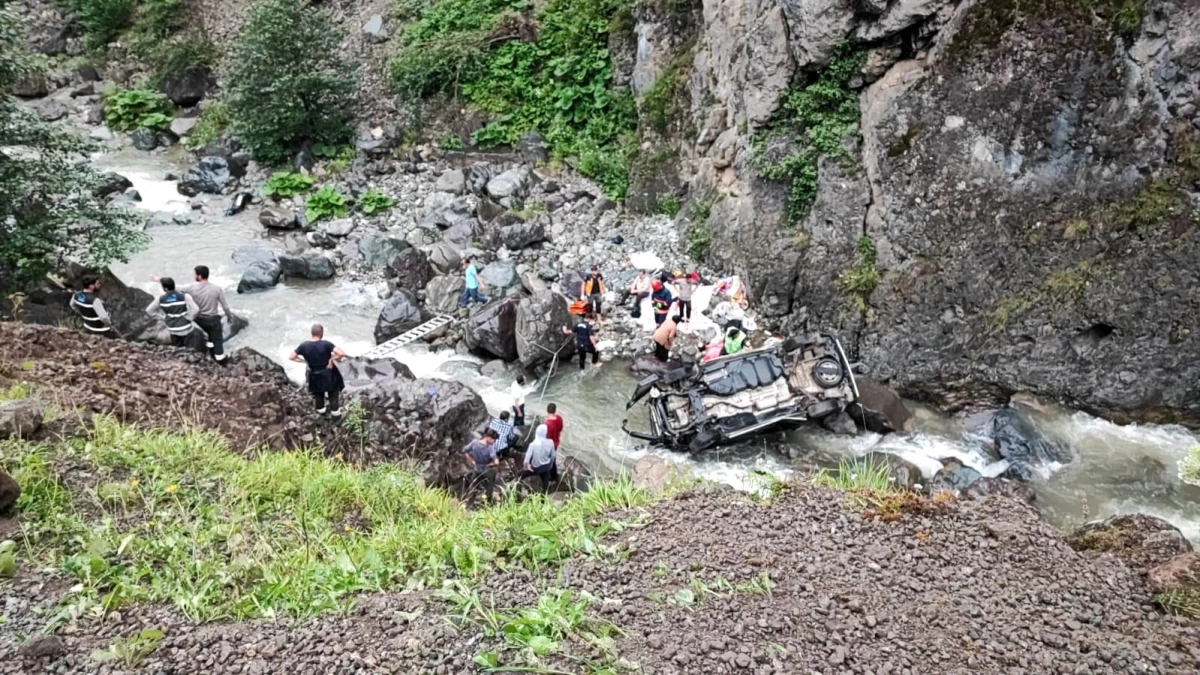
[278, 219]
[400, 314]
[412, 269]
[377, 250]
[520, 234]
[9, 492]
[571, 282]
[1023, 446]
[954, 476]
[452, 181]
[186, 88]
[500, 276]
[492, 329]
[443, 293]
[111, 184]
[360, 373]
[880, 409]
[1000, 487]
[210, 175]
[1142, 541]
[306, 266]
[21, 418]
[540, 319]
[445, 258]
[260, 276]
[511, 183]
[463, 234]
[144, 139]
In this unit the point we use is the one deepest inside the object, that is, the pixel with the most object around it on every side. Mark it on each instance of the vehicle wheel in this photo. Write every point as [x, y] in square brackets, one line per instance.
[828, 373]
[797, 342]
[822, 409]
[704, 440]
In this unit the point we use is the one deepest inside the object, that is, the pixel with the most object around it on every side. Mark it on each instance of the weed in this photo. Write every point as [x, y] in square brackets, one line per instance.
[8, 559]
[375, 201]
[133, 650]
[355, 419]
[663, 102]
[137, 109]
[768, 486]
[872, 474]
[450, 142]
[16, 392]
[212, 123]
[287, 184]
[326, 202]
[759, 585]
[1183, 602]
[859, 282]
[668, 205]
[660, 571]
[699, 232]
[1076, 229]
[1157, 201]
[532, 210]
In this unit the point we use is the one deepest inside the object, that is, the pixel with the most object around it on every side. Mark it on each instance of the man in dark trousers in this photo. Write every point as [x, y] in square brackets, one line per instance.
[585, 342]
[91, 309]
[209, 299]
[661, 300]
[176, 309]
[481, 457]
[592, 290]
[324, 378]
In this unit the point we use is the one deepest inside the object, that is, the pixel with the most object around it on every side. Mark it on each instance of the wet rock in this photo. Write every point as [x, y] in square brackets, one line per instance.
[841, 424]
[182, 126]
[250, 253]
[377, 250]
[444, 258]
[534, 148]
[374, 30]
[540, 319]
[186, 88]
[987, 487]
[111, 184]
[52, 111]
[412, 269]
[307, 266]
[1179, 574]
[339, 227]
[361, 373]
[304, 161]
[210, 175]
[452, 181]
[42, 646]
[259, 276]
[901, 472]
[21, 418]
[144, 139]
[278, 219]
[954, 476]
[492, 329]
[511, 183]
[1142, 541]
[442, 294]
[9, 493]
[401, 313]
[500, 275]
[1022, 445]
[494, 369]
[879, 408]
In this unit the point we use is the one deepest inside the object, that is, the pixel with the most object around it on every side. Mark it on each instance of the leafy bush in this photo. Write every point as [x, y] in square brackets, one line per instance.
[450, 142]
[286, 184]
[326, 202]
[172, 57]
[102, 20]
[137, 109]
[609, 167]
[288, 85]
[213, 122]
[373, 201]
[815, 119]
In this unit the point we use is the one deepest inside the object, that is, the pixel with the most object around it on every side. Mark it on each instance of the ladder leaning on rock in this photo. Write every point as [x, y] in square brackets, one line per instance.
[395, 344]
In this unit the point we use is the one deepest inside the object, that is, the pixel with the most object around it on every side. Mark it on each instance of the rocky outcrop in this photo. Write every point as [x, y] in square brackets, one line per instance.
[540, 319]
[1142, 541]
[412, 269]
[1180, 574]
[401, 313]
[210, 174]
[259, 276]
[186, 88]
[20, 419]
[493, 329]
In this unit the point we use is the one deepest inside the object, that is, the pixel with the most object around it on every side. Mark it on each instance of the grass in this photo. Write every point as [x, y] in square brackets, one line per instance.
[860, 281]
[1183, 602]
[212, 124]
[871, 473]
[15, 392]
[869, 485]
[178, 518]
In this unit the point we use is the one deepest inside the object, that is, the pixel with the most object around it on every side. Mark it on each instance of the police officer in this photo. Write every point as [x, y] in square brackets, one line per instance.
[91, 309]
[176, 309]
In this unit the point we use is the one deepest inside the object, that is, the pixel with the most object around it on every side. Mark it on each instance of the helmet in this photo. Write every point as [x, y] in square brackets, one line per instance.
[657, 285]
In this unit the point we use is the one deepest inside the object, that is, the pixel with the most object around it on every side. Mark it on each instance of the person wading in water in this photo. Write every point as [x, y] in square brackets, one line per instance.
[91, 309]
[177, 310]
[324, 378]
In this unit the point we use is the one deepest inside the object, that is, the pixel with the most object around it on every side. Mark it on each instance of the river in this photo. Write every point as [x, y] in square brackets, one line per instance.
[1117, 469]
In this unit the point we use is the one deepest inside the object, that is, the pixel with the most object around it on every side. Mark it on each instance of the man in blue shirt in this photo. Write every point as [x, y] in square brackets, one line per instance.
[472, 286]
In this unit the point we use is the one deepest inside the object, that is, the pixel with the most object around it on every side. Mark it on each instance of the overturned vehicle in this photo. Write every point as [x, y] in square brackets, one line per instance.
[699, 406]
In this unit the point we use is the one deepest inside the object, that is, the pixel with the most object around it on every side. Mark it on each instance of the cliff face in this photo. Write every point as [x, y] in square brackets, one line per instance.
[1022, 181]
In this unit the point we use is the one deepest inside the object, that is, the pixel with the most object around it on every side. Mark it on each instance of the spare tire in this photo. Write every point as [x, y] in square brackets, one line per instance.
[828, 373]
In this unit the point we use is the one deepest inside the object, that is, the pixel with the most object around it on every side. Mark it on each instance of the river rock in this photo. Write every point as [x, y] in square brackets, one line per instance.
[260, 275]
[10, 492]
[511, 183]
[110, 184]
[462, 234]
[902, 473]
[20, 418]
[339, 227]
[306, 266]
[492, 329]
[1001, 487]
[841, 424]
[144, 139]
[210, 175]
[251, 253]
[494, 369]
[278, 219]
[880, 409]
[52, 111]
[31, 86]
[1023, 446]
[500, 275]
[655, 474]
[1141, 540]
[532, 282]
[42, 646]
[452, 181]
[401, 313]
[540, 320]
[1179, 574]
[360, 373]
[182, 126]
[444, 258]
[521, 234]
[954, 476]
[377, 250]
[412, 269]
[647, 364]
[443, 293]
[186, 88]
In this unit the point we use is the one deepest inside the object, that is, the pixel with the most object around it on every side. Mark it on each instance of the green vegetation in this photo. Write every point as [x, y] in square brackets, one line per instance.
[663, 102]
[375, 201]
[154, 22]
[902, 144]
[8, 559]
[211, 125]
[1065, 286]
[133, 650]
[1156, 202]
[988, 22]
[48, 211]
[550, 72]
[171, 57]
[178, 518]
[1125, 16]
[1076, 228]
[287, 83]
[859, 282]
[326, 202]
[872, 473]
[137, 109]
[102, 20]
[1189, 467]
[699, 232]
[814, 121]
[1184, 602]
[287, 184]
[668, 205]
[450, 142]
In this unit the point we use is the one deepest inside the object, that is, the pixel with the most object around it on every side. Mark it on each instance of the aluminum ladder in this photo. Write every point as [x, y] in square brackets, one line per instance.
[395, 344]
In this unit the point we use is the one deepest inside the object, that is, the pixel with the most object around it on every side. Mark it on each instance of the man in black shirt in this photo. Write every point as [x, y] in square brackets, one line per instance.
[585, 342]
[324, 378]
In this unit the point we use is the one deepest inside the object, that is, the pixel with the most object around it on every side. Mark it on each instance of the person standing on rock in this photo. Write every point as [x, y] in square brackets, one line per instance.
[554, 425]
[591, 291]
[518, 398]
[661, 300]
[324, 378]
[210, 301]
[91, 309]
[472, 285]
[176, 309]
[481, 457]
[585, 342]
[684, 287]
[664, 337]
[541, 459]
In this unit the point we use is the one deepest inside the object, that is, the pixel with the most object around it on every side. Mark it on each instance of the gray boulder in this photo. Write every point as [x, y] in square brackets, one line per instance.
[21, 418]
[571, 283]
[443, 293]
[452, 181]
[534, 148]
[377, 250]
[879, 409]
[189, 86]
[361, 373]
[111, 184]
[182, 126]
[210, 175]
[511, 183]
[52, 111]
[521, 234]
[31, 86]
[278, 219]
[492, 329]
[401, 313]
[144, 139]
[412, 269]
[500, 275]
[306, 266]
[340, 227]
[250, 254]
[540, 319]
[1023, 446]
[954, 476]
[462, 234]
[259, 276]
[445, 258]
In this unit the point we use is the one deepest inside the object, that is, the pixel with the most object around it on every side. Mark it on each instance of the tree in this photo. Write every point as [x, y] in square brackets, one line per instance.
[49, 211]
[287, 83]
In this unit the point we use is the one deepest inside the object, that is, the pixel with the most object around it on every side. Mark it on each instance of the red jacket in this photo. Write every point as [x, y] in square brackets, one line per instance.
[554, 429]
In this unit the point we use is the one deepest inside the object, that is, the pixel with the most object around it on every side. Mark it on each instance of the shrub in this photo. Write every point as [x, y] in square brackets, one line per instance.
[860, 281]
[699, 232]
[172, 57]
[326, 202]
[286, 184]
[288, 85]
[102, 20]
[609, 167]
[137, 109]
[154, 22]
[373, 201]
[213, 122]
[668, 205]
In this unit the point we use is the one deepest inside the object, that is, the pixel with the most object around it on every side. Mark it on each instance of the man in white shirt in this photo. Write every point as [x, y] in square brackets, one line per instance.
[518, 397]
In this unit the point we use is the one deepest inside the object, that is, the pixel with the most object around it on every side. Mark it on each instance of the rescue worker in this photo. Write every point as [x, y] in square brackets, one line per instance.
[735, 341]
[664, 337]
[661, 300]
[176, 309]
[210, 300]
[324, 378]
[585, 342]
[591, 291]
[91, 309]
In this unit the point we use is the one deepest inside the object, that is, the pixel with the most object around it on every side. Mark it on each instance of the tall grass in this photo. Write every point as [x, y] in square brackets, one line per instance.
[871, 473]
[176, 517]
